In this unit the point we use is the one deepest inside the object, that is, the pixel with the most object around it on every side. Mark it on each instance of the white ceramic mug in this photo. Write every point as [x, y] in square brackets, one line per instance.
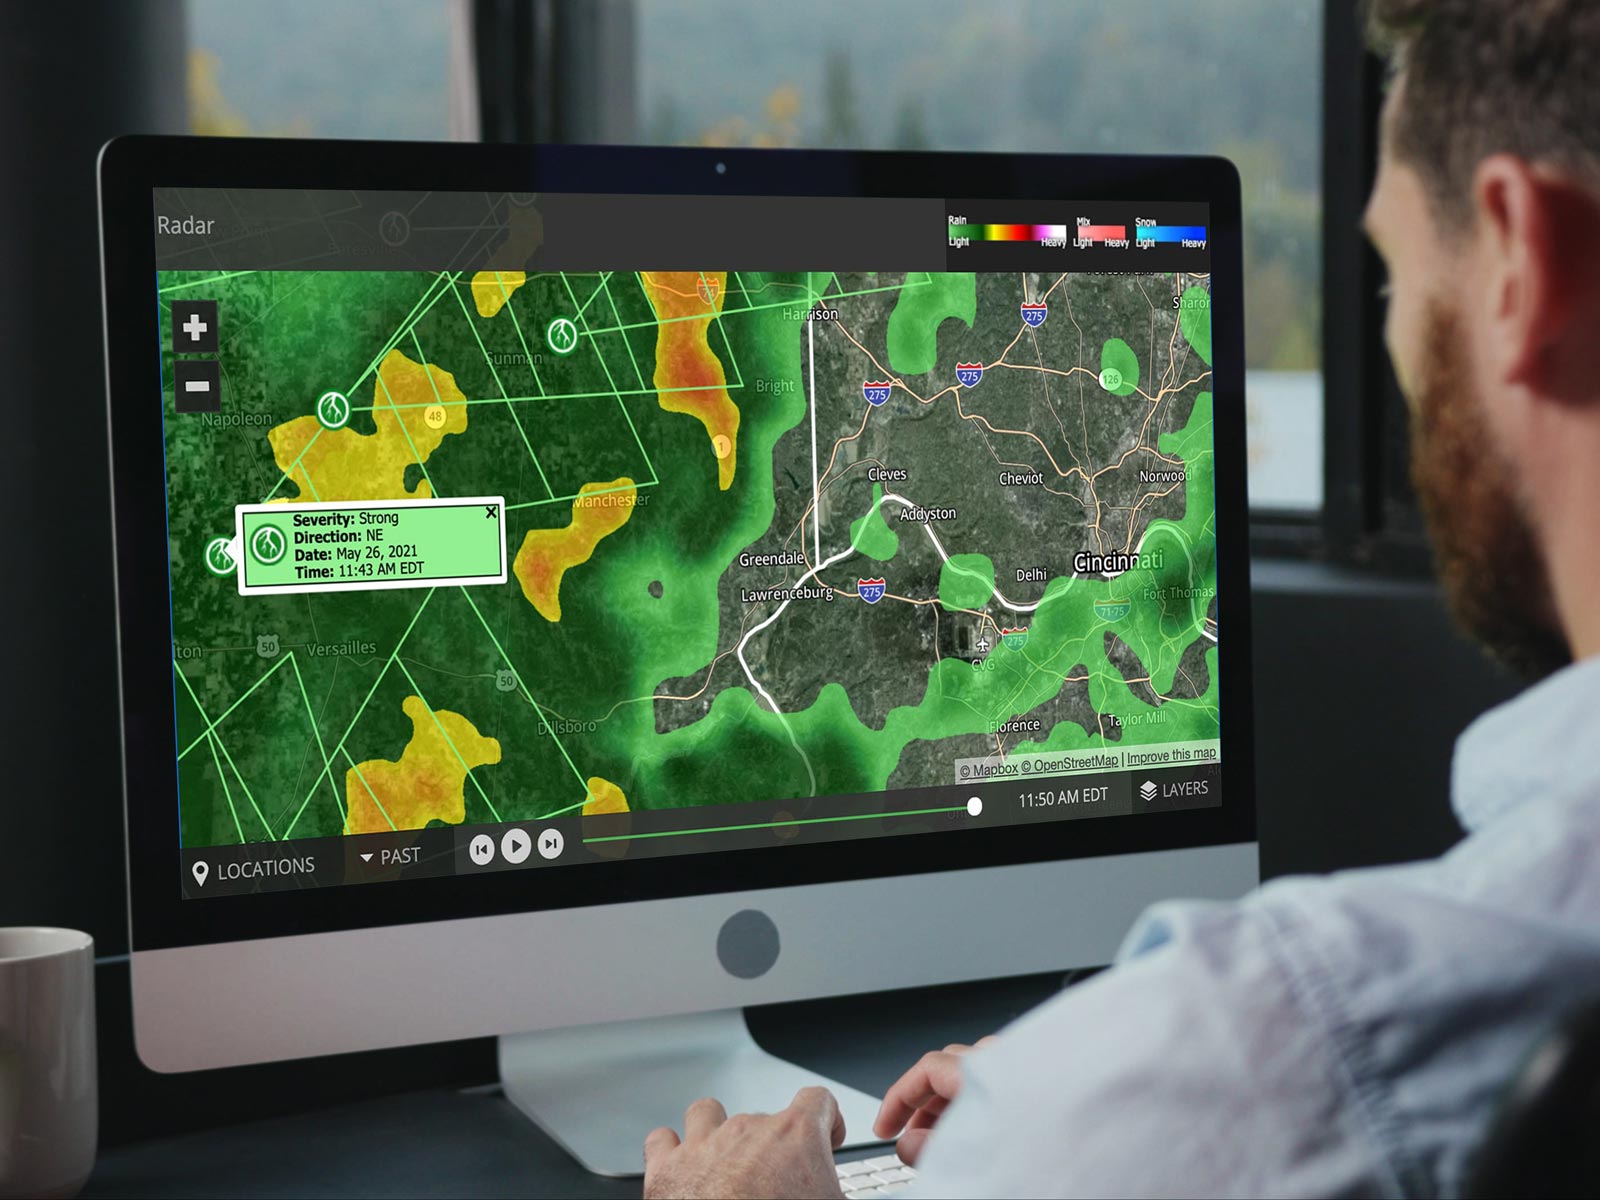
[49, 1098]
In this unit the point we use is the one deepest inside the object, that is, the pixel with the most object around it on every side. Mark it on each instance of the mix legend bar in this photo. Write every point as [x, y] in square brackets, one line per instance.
[1085, 234]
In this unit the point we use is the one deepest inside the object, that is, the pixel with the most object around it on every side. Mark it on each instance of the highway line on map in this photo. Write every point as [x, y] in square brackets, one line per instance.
[816, 498]
[815, 571]
[756, 683]
[945, 556]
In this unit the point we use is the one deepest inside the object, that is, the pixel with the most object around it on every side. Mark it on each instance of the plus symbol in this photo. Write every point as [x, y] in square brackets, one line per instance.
[194, 327]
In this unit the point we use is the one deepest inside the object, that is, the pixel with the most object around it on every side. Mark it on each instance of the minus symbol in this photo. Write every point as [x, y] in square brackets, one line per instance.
[197, 385]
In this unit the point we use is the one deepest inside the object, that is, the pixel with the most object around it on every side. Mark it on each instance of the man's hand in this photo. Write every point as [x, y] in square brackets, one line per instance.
[787, 1154]
[919, 1097]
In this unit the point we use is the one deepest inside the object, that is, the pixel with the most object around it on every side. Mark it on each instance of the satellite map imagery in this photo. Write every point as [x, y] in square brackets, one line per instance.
[760, 536]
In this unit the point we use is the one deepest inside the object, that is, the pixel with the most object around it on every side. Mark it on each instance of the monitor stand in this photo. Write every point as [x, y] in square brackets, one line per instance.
[598, 1089]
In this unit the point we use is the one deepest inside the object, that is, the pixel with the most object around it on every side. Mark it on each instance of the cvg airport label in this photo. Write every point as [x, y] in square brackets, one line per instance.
[369, 545]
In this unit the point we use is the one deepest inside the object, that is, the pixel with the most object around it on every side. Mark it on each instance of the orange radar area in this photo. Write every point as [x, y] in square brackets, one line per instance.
[685, 304]
[413, 408]
[598, 510]
[605, 797]
[491, 289]
[427, 783]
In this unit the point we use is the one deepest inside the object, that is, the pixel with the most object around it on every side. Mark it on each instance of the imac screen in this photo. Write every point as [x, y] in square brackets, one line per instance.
[524, 532]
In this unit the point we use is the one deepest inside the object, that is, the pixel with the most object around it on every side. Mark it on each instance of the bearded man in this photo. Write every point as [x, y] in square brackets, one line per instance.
[1352, 1035]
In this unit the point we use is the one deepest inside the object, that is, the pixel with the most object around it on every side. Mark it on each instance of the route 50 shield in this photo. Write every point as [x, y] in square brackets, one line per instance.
[876, 393]
[870, 590]
[968, 374]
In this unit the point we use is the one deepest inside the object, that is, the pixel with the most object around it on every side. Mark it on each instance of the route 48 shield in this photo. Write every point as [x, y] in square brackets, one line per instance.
[1034, 314]
[870, 590]
[876, 393]
[968, 374]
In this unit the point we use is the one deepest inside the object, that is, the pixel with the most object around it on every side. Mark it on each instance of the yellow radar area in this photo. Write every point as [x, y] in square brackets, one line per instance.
[427, 783]
[524, 232]
[491, 289]
[605, 797]
[689, 377]
[598, 510]
[343, 464]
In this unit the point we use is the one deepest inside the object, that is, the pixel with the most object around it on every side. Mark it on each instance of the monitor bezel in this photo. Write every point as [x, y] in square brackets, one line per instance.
[130, 171]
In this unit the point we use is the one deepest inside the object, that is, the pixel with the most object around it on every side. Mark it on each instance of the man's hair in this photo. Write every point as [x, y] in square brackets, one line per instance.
[1489, 76]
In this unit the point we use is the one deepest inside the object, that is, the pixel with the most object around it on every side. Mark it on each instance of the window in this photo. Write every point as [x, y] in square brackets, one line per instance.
[309, 68]
[1235, 77]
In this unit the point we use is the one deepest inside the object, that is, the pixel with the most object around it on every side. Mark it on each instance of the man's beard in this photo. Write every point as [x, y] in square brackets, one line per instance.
[1485, 551]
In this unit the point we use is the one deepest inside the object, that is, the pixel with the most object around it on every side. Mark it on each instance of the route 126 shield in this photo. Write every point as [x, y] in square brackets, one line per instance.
[1034, 314]
[876, 393]
[870, 590]
[968, 374]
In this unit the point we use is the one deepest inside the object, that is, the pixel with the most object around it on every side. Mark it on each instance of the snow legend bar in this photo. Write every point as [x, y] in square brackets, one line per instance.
[1181, 234]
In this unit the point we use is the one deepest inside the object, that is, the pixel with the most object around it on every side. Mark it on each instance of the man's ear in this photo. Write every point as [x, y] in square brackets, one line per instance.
[1539, 236]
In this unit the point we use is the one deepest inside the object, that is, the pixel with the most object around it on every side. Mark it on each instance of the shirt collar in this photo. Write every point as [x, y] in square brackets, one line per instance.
[1539, 745]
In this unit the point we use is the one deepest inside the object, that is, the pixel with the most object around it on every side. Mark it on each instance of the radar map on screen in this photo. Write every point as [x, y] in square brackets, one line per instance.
[765, 536]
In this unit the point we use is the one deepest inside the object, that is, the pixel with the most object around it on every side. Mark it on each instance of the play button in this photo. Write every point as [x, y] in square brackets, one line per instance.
[551, 843]
[516, 845]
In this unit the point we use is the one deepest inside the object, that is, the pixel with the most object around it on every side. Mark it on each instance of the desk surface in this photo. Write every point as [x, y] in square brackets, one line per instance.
[473, 1143]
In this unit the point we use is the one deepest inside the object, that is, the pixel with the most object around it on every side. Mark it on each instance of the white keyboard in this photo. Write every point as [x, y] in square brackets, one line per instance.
[881, 1176]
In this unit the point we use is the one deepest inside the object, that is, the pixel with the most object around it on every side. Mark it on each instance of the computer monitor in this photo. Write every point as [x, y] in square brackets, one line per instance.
[593, 590]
